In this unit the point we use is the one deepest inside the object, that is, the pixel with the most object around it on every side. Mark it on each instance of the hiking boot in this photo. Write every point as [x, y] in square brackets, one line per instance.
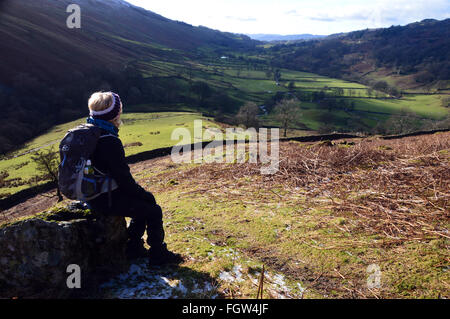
[163, 256]
[136, 250]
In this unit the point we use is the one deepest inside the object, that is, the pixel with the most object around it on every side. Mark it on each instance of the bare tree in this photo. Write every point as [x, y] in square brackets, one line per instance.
[402, 123]
[287, 112]
[248, 115]
[47, 163]
[202, 90]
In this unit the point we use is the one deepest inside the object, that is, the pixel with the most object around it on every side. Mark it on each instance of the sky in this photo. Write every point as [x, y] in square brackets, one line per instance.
[321, 17]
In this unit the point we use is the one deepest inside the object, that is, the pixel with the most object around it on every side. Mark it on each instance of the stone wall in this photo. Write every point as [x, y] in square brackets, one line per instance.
[35, 253]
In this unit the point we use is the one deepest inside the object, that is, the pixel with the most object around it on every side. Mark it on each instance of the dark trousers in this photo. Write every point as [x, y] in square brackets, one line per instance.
[143, 215]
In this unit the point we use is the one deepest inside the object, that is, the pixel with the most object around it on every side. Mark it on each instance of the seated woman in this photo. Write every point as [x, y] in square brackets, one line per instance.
[129, 199]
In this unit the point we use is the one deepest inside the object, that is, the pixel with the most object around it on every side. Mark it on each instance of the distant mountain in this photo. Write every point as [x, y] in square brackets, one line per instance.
[278, 37]
[411, 56]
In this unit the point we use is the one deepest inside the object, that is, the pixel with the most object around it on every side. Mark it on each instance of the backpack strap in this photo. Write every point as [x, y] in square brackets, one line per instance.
[106, 135]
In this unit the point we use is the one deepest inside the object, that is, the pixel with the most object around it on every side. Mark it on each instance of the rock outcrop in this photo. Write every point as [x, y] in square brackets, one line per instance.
[35, 252]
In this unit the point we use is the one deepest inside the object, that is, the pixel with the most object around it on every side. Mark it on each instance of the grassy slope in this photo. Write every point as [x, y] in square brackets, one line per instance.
[137, 128]
[251, 81]
[232, 224]
[426, 106]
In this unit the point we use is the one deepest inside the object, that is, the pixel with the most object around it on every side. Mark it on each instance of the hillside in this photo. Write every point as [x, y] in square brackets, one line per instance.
[112, 33]
[332, 211]
[50, 69]
[409, 57]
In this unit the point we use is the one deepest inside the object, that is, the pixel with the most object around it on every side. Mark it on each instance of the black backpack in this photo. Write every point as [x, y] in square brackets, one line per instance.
[75, 150]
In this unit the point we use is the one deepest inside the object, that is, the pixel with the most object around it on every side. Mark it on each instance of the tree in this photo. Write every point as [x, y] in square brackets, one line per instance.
[170, 87]
[277, 75]
[318, 96]
[134, 95]
[202, 90]
[381, 86]
[394, 92]
[248, 115]
[287, 112]
[222, 102]
[352, 106]
[3, 176]
[328, 104]
[405, 122]
[47, 163]
[337, 92]
[291, 85]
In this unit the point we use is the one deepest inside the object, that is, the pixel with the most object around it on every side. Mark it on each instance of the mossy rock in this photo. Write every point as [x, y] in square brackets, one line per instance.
[56, 214]
[36, 251]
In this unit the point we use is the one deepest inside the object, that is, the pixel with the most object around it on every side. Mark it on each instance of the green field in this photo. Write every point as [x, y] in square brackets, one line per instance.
[249, 82]
[152, 130]
[144, 131]
[426, 106]
[140, 132]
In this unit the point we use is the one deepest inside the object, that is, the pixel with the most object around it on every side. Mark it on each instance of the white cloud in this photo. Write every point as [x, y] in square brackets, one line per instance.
[297, 16]
[242, 19]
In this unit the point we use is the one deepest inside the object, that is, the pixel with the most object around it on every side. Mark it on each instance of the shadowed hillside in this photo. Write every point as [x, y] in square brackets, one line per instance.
[111, 32]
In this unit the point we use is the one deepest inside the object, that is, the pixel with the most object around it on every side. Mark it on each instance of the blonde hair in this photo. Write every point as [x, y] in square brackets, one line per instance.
[117, 121]
[100, 101]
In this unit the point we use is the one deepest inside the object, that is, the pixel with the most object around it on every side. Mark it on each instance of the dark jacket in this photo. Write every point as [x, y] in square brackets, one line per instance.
[109, 158]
